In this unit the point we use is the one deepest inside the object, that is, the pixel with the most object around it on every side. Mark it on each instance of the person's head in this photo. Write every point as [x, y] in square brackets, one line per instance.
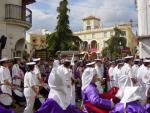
[30, 66]
[137, 61]
[129, 60]
[17, 60]
[50, 61]
[89, 76]
[98, 62]
[5, 62]
[147, 63]
[90, 64]
[113, 64]
[37, 61]
[67, 63]
[10, 64]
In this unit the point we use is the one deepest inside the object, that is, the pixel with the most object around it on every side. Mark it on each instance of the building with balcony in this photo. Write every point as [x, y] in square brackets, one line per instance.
[143, 8]
[15, 20]
[94, 35]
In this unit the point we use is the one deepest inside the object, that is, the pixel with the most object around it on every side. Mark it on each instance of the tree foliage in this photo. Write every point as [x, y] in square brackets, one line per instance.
[62, 39]
[115, 44]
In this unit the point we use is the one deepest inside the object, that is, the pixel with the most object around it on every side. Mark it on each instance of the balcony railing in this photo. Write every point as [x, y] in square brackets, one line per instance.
[18, 14]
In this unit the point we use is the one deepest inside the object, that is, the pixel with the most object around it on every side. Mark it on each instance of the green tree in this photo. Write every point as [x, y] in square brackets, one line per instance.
[115, 44]
[63, 38]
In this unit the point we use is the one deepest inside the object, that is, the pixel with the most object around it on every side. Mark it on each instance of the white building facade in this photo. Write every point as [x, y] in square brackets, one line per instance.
[143, 7]
[94, 35]
[15, 20]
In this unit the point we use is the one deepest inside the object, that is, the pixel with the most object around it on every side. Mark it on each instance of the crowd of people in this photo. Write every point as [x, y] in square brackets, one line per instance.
[120, 85]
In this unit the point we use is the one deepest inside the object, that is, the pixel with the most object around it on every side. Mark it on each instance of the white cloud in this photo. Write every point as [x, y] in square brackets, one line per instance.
[110, 12]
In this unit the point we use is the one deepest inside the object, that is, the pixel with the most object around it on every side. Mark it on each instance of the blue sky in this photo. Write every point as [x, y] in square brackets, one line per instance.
[109, 11]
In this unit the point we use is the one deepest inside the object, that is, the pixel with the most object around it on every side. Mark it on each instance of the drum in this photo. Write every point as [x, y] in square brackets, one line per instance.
[38, 102]
[18, 95]
[6, 100]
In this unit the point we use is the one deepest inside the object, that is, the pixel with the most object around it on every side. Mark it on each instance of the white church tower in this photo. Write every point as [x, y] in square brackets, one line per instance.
[143, 7]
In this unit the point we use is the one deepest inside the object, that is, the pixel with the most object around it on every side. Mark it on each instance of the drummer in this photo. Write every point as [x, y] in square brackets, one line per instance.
[16, 72]
[30, 87]
[5, 77]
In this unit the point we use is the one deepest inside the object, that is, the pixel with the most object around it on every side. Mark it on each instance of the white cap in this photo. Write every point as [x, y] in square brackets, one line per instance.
[17, 57]
[36, 59]
[4, 59]
[137, 60]
[146, 61]
[90, 64]
[30, 63]
[98, 59]
[66, 60]
[128, 57]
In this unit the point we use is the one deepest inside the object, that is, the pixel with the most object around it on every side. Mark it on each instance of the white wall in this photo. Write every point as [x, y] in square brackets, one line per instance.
[13, 33]
[144, 47]
[143, 17]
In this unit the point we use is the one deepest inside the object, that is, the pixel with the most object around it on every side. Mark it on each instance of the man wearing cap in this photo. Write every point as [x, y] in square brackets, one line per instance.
[135, 68]
[127, 68]
[117, 71]
[37, 70]
[111, 74]
[16, 72]
[141, 71]
[5, 77]
[30, 87]
[5, 81]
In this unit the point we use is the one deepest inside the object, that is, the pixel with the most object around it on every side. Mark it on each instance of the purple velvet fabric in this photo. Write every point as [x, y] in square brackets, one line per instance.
[147, 108]
[77, 74]
[51, 106]
[132, 107]
[4, 110]
[91, 94]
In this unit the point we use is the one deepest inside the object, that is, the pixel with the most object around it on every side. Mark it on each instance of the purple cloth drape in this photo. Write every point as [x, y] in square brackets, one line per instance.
[132, 107]
[51, 106]
[4, 110]
[147, 108]
[91, 94]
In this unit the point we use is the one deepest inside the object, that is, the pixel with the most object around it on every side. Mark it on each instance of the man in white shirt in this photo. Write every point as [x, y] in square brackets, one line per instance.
[16, 72]
[127, 68]
[135, 68]
[31, 88]
[141, 71]
[5, 77]
[37, 70]
[111, 73]
[116, 72]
